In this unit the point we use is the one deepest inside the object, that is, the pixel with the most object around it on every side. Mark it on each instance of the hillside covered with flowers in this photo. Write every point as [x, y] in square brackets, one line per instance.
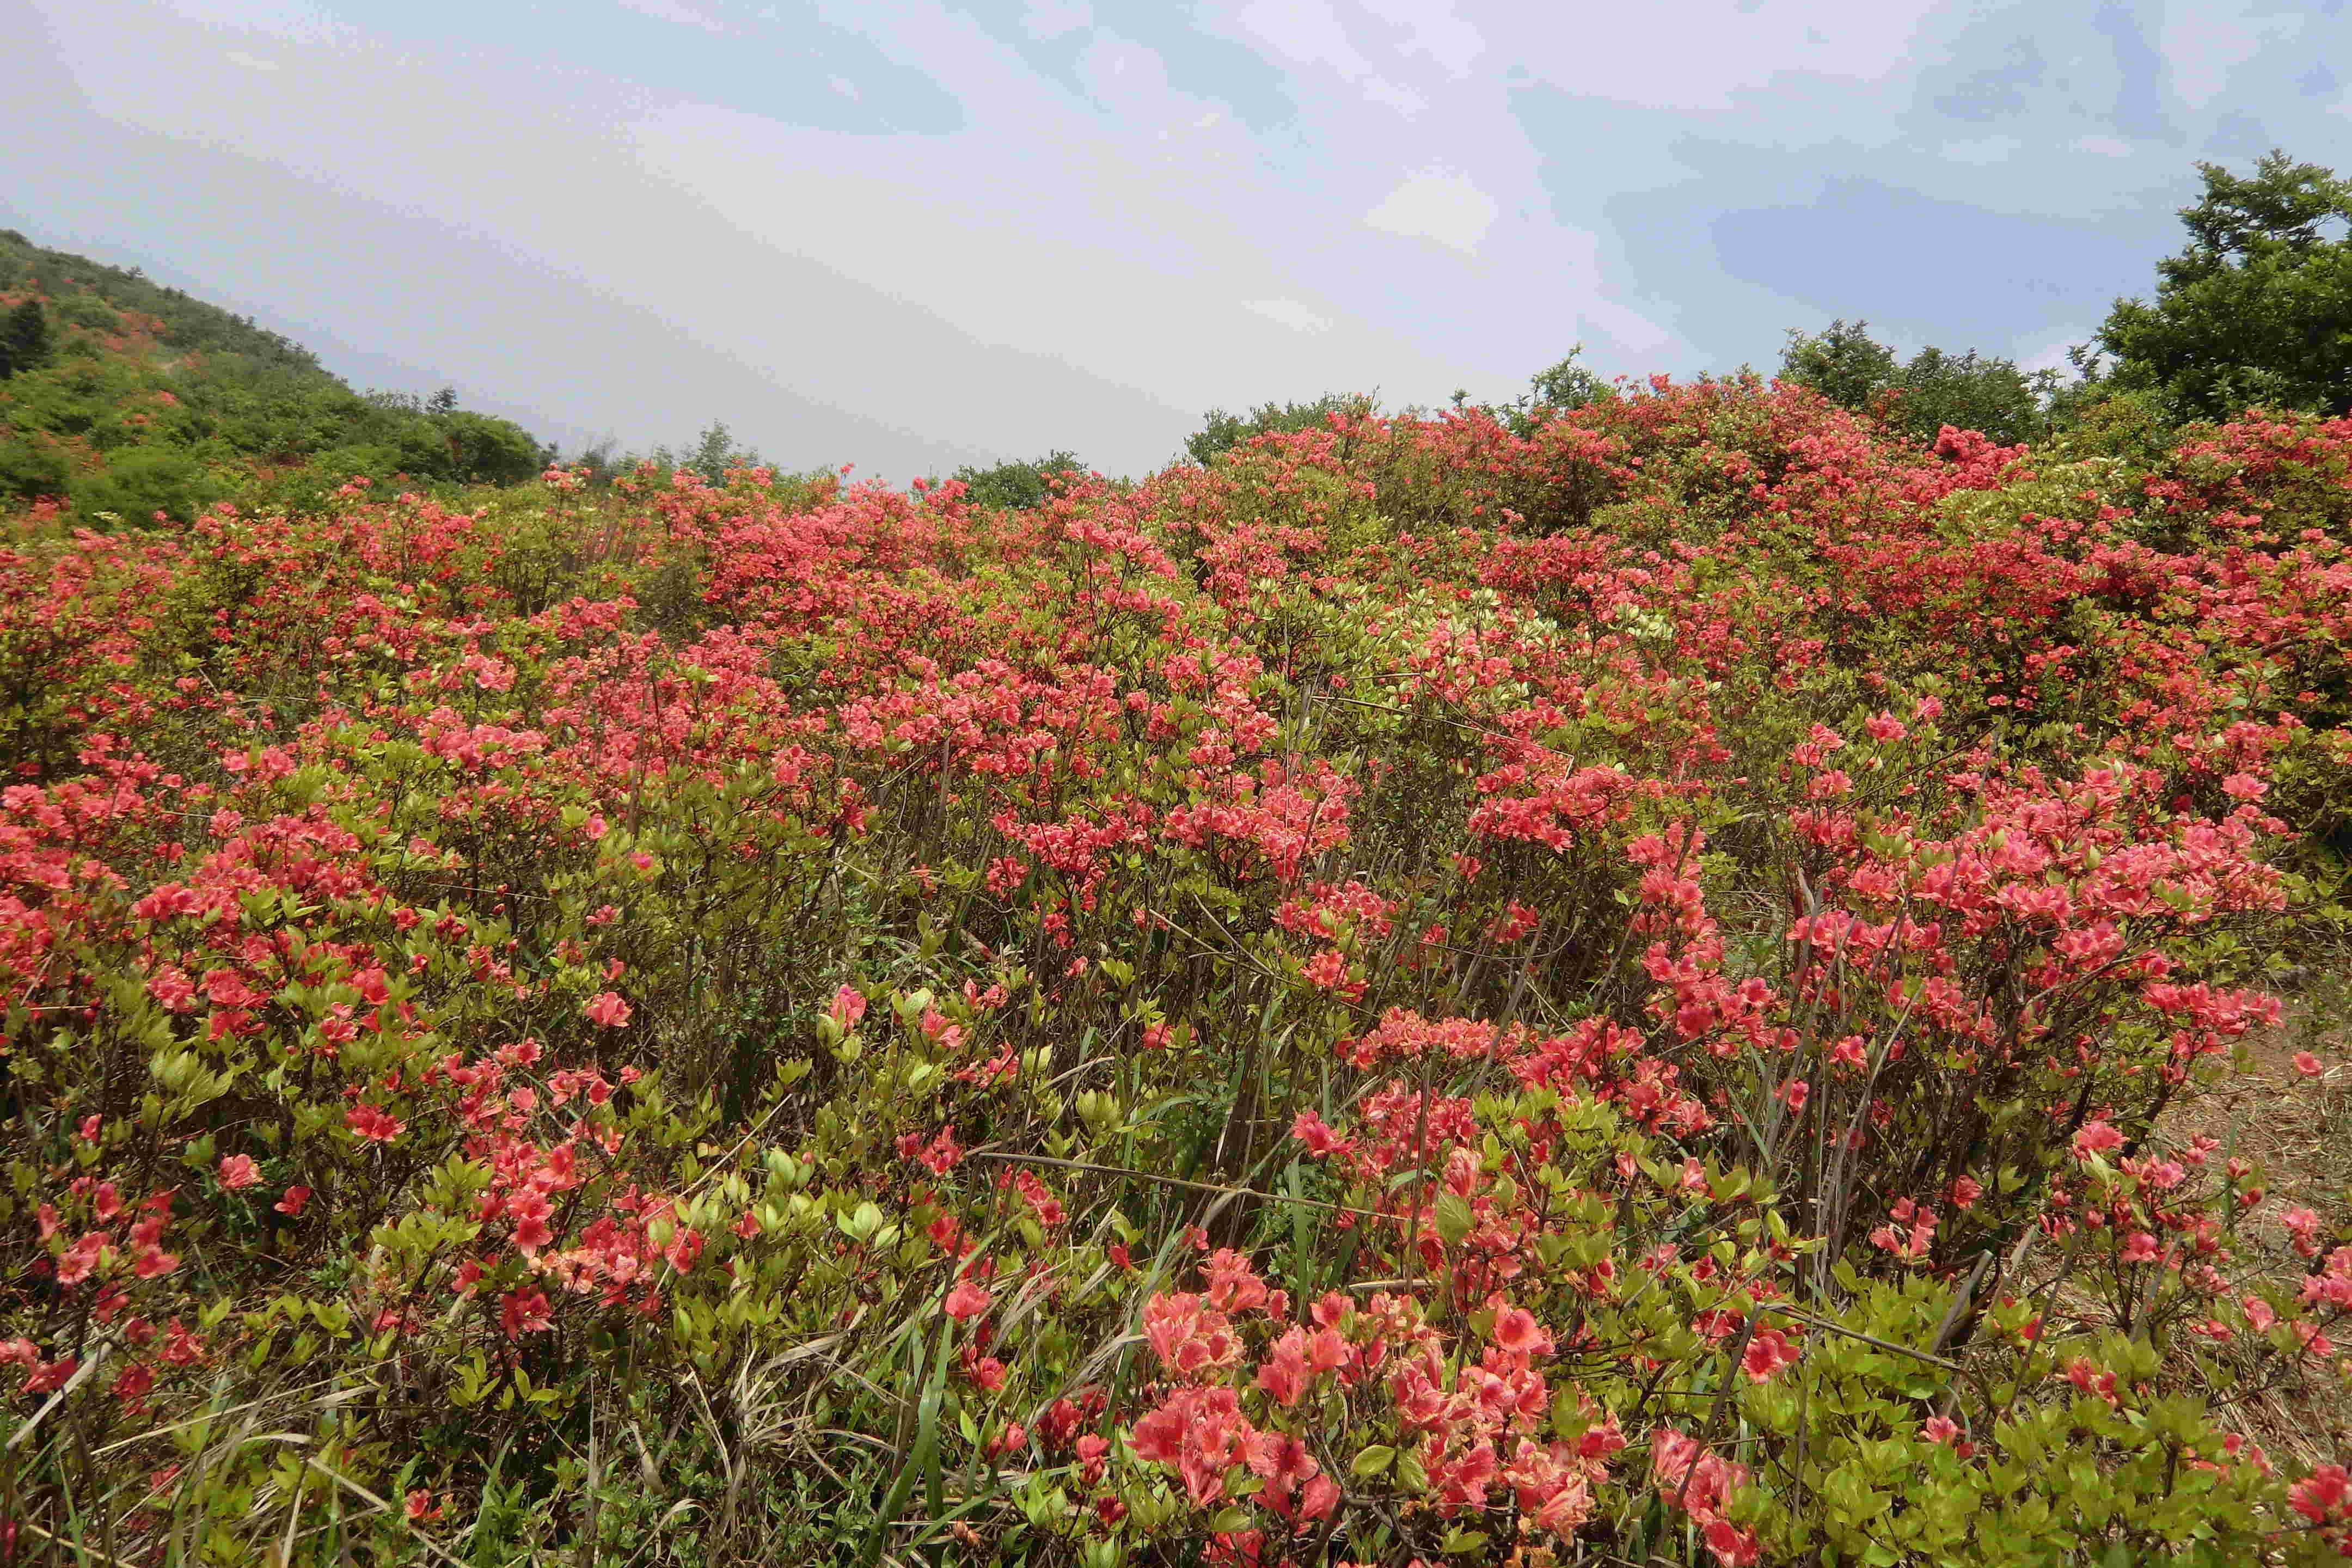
[1612, 992]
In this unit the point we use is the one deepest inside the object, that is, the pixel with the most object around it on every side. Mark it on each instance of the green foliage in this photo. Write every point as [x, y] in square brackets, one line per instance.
[1015, 486]
[2257, 308]
[1843, 363]
[142, 481]
[1222, 432]
[31, 466]
[123, 398]
[711, 456]
[1566, 385]
[1922, 395]
[23, 338]
[1557, 389]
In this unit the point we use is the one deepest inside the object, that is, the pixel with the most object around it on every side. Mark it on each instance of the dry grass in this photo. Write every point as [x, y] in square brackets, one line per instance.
[2298, 1131]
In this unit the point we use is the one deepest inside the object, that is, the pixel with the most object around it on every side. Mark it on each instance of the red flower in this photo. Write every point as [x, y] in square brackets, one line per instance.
[236, 1172]
[606, 1010]
[2322, 1495]
[1733, 1547]
[1311, 1130]
[967, 1301]
[524, 1312]
[1768, 1352]
[373, 1123]
[291, 1204]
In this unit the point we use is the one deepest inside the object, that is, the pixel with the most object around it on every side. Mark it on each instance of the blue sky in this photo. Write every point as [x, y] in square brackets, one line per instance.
[908, 234]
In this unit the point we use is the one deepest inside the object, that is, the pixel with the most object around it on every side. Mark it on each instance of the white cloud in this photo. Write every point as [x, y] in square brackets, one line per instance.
[843, 86]
[250, 62]
[2205, 41]
[1289, 313]
[1440, 204]
[675, 11]
[2053, 356]
[2104, 146]
[1307, 33]
[1698, 55]
[1388, 95]
[1052, 18]
[1431, 30]
[1982, 150]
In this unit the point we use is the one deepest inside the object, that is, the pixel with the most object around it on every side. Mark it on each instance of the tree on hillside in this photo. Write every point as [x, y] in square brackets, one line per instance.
[23, 338]
[487, 451]
[1017, 486]
[1923, 394]
[1222, 432]
[2257, 309]
[714, 452]
[1843, 363]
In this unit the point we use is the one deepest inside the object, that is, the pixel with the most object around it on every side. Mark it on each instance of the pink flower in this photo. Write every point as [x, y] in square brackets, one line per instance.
[2306, 1064]
[848, 1008]
[1768, 1352]
[2096, 1138]
[236, 1172]
[1732, 1547]
[606, 1010]
[291, 1204]
[50, 1376]
[1941, 1429]
[968, 1300]
[1516, 1332]
[82, 1259]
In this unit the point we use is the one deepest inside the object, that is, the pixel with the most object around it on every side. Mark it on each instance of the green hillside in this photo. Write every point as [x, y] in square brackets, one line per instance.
[122, 399]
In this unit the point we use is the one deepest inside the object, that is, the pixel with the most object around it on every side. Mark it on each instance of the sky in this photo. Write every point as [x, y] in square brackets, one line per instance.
[914, 234]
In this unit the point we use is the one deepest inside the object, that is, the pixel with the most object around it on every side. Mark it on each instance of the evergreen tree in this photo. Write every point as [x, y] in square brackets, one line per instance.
[1923, 394]
[23, 338]
[2257, 309]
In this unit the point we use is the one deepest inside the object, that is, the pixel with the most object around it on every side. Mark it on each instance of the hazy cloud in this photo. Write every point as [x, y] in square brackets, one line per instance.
[1289, 313]
[1440, 204]
[898, 231]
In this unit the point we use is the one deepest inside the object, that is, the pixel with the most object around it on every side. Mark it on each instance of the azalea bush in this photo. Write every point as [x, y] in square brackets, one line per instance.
[1608, 989]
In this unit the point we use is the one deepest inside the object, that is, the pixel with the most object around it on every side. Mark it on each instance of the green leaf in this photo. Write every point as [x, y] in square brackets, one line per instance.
[1374, 1460]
